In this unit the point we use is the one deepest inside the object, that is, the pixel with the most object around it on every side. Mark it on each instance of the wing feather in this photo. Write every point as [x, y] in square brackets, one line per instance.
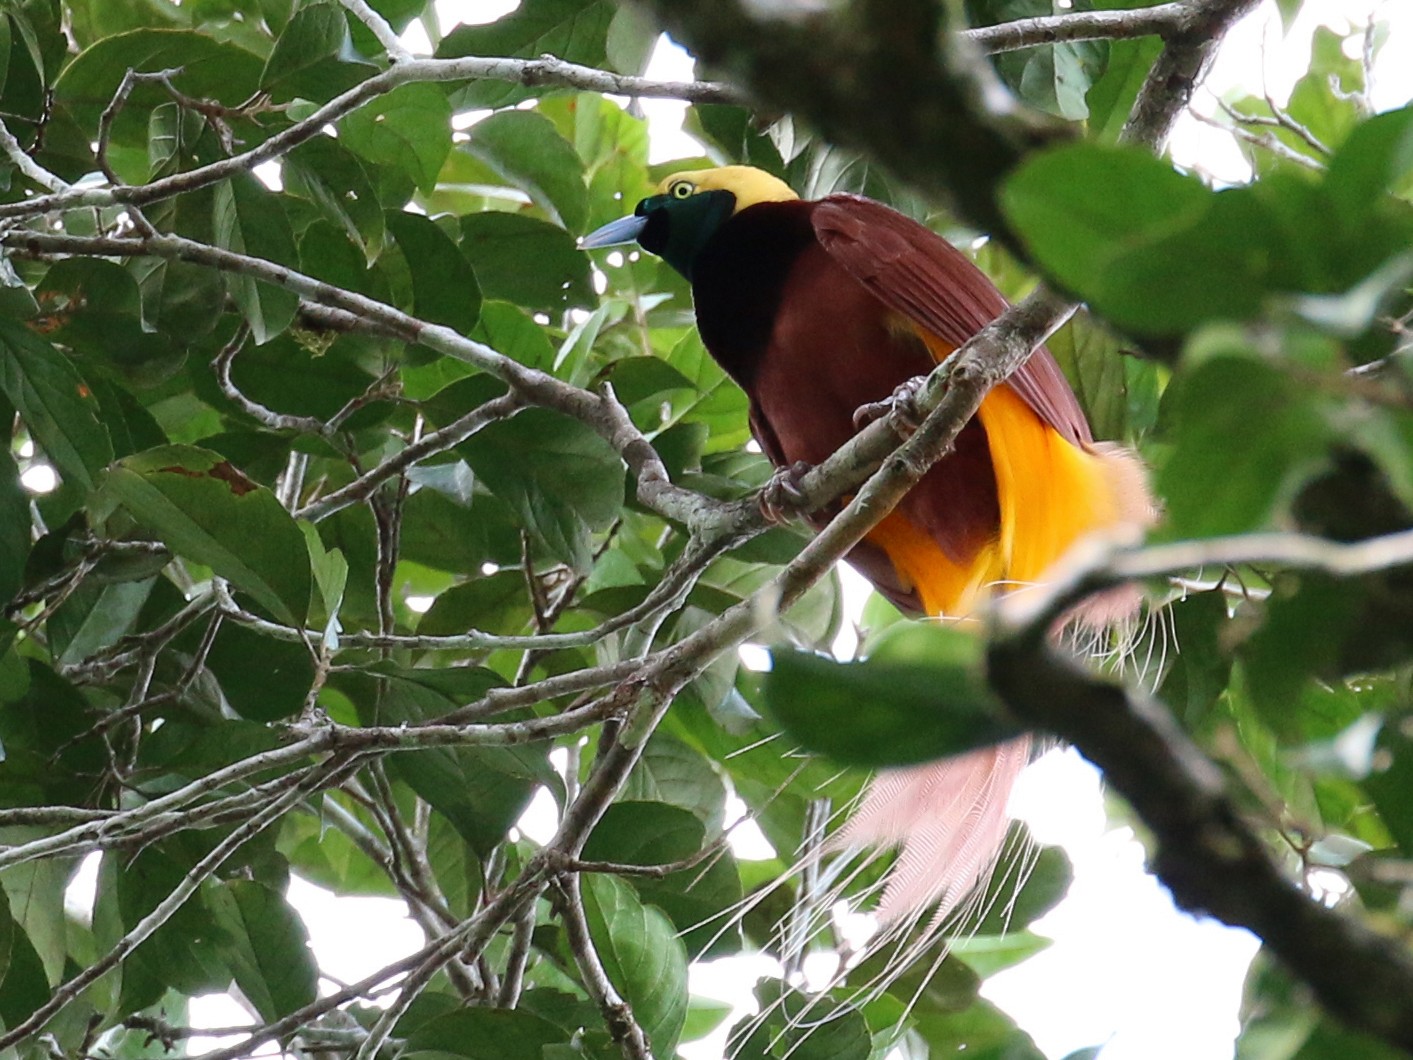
[915, 272]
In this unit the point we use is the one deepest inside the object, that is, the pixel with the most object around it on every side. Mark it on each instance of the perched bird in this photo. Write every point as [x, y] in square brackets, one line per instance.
[817, 308]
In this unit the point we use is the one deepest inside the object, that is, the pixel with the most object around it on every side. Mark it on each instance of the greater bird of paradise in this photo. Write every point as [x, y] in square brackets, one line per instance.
[817, 308]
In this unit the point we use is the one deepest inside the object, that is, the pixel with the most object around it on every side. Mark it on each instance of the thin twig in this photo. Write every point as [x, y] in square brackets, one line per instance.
[380, 29]
[623, 1026]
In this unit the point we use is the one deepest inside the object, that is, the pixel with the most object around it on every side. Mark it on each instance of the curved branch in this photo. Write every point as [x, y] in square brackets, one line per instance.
[1204, 852]
[545, 71]
[1159, 20]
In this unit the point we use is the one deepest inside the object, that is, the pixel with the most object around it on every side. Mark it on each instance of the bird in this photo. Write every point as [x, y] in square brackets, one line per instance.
[820, 308]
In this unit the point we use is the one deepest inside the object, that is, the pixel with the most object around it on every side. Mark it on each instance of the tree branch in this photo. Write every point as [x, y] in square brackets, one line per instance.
[1204, 852]
[617, 1014]
[380, 29]
[545, 71]
[1161, 20]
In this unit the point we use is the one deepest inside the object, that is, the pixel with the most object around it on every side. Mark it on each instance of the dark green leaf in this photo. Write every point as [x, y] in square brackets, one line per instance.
[802, 1027]
[275, 688]
[444, 288]
[326, 173]
[55, 404]
[94, 617]
[496, 603]
[23, 983]
[203, 508]
[1212, 487]
[14, 527]
[409, 129]
[481, 790]
[525, 149]
[920, 696]
[572, 30]
[266, 947]
[184, 952]
[251, 220]
[643, 956]
[1111, 97]
[209, 69]
[698, 899]
[1053, 77]
[562, 479]
[51, 752]
[484, 1034]
[307, 60]
[526, 261]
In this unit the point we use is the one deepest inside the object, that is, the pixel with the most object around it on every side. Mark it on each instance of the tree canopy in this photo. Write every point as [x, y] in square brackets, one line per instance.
[348, 504]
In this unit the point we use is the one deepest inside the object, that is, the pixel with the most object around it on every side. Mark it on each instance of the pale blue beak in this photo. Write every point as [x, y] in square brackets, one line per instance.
[615, 233]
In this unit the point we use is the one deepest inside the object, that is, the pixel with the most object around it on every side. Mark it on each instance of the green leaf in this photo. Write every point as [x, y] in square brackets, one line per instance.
[330, 176]
[55, 403]
[184, 953]
[251, 220]
[1112, 96]
[526, 261]
[1376, 159]
[715, 399]
[561, 478]
[669, 771]
[980, 1030]
[1055, 77]
[36, 890]
[408, 130]
[495, 603]
[525, 149]
[444, 288]
[94, 617]
[276, 688]
[209, 68]
[513, 332]
[801, 1027]
[736, 133]
[14, 527]
[1093, 362]
[1212, 487]
[643, 957]
[482, 791]
[484, 1034]
[202, 508]
[572, 30]
[307, 57]
[704, 1015]
[24, 986]
[698, 899]
[1026, 885]
[1391, 787]
[1075, 233]
[266, 947]
[920, 696]
[51, 750]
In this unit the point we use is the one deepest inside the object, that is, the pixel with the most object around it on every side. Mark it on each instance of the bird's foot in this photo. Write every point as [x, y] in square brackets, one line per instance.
[782, 497]
[900, 407]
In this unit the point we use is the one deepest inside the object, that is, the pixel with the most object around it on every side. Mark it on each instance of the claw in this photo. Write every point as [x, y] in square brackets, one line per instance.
[900, 407]
[782, 497]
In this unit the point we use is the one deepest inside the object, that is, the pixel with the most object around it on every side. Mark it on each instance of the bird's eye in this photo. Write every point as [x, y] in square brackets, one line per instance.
[681, 190]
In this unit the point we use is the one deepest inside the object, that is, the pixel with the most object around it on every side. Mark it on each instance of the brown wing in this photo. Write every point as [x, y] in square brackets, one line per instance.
[914, 271]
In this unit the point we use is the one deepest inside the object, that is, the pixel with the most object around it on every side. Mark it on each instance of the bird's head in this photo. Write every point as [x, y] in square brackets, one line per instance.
[687, 210]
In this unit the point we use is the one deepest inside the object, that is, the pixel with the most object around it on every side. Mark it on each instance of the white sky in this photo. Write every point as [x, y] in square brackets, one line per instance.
[1126, 969]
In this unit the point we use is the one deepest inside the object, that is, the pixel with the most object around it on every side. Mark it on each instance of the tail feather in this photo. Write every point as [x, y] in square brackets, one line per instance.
[948, 819]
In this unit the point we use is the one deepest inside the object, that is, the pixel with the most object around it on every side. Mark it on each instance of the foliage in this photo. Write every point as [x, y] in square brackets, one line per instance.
[315, 592]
